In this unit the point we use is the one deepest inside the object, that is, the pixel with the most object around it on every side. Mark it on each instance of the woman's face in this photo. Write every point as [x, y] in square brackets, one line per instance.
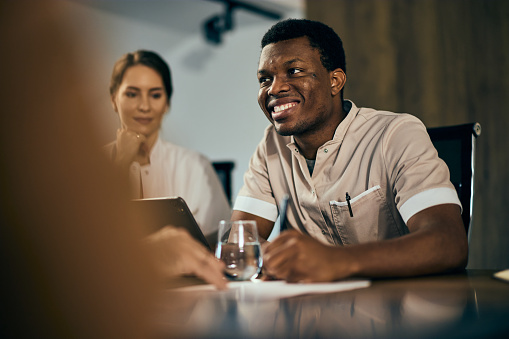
[141, 100]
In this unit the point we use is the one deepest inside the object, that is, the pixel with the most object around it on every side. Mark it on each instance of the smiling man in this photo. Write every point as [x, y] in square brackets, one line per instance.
[368, 194]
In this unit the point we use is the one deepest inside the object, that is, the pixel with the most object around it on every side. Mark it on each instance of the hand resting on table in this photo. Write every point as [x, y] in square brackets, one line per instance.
[176, 253]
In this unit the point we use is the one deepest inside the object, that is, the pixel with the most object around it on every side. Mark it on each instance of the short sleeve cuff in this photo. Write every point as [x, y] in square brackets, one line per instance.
[257, 207]
[423, 200]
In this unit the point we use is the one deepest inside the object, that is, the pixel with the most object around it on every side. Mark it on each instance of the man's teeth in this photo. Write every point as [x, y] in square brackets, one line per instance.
[283, 107]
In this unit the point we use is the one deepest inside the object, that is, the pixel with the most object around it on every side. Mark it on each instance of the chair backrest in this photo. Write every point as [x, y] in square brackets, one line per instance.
[456, 146]
[224, 172]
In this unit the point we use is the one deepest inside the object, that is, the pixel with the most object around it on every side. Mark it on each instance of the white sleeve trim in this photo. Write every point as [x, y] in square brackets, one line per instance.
[423, 200]
[257, 207]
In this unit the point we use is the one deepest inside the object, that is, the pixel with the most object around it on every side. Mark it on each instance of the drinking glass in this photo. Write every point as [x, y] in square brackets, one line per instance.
[239, 248]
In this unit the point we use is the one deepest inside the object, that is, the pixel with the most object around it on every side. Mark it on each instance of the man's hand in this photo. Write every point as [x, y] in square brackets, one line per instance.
[296, 257]
[436, 243]
[176, 253]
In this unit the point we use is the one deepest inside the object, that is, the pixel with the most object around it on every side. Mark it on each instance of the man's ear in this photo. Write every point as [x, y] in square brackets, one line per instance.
[338, 80]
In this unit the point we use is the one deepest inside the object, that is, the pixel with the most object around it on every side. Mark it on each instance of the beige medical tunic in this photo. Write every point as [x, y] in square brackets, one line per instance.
[385, 161]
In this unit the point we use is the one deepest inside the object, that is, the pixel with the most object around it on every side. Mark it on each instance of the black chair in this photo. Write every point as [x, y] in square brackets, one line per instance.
[456, 146]
[224, 172]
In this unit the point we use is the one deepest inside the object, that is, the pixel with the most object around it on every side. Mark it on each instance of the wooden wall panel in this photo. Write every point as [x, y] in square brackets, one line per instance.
[445, 61]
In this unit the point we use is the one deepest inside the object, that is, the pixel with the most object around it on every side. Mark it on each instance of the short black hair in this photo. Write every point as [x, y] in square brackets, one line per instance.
[320, 36]
[141, 57]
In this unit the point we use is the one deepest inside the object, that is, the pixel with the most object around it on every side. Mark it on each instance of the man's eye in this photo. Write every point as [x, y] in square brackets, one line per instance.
[130, 94]
[263, 80]
[292, 71]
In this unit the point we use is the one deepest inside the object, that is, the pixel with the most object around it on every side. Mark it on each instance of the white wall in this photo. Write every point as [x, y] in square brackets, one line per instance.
[214, 108]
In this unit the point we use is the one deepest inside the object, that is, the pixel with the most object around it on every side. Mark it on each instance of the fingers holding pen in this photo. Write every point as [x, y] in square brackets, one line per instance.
[296, 257]
[280, 255]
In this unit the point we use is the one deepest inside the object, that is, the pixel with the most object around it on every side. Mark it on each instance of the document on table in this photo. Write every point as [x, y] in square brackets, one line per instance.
[502, 275]
[277, 289]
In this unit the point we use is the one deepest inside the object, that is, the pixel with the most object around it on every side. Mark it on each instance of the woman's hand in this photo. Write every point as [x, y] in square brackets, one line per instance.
[176, 253]
[130, 148]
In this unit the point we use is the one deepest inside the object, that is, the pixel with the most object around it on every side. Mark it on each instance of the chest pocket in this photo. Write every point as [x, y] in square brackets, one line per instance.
[372, 219]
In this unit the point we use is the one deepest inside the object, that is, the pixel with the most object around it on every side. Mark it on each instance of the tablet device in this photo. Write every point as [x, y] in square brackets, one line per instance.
[173, 211]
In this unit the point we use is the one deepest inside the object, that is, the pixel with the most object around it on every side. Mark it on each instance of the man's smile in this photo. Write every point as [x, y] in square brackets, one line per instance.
[282, 111]
[280, 108]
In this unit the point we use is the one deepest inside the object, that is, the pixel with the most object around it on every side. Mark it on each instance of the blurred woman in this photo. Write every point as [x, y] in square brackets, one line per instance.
[141, 90]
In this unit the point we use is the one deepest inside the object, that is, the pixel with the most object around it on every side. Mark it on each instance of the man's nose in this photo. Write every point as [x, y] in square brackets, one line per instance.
[279, 84]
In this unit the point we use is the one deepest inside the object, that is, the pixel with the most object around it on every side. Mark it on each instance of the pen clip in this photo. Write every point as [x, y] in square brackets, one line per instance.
[349, 205]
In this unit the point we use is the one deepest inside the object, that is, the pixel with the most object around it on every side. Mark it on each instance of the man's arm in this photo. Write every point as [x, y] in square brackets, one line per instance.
[436, 243]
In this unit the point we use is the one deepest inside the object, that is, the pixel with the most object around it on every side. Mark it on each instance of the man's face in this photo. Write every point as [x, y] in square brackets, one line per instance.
[295, 88]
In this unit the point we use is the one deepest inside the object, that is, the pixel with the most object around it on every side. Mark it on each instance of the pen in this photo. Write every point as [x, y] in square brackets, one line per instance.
[348, 202]
[282, 213]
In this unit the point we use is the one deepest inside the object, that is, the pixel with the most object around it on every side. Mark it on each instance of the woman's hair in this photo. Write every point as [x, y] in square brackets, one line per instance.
[145, 58]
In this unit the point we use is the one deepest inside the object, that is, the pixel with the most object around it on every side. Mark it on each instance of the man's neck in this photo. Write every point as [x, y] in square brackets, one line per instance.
[309, 143]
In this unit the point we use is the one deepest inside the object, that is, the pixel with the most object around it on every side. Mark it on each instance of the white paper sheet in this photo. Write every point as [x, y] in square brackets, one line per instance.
[270, 290]
[503, 275]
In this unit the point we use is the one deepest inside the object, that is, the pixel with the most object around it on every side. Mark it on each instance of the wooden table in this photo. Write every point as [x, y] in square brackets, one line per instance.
[470, 304]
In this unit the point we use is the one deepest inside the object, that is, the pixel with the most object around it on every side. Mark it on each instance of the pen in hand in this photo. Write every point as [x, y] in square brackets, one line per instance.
[282, 213]
[282, 226]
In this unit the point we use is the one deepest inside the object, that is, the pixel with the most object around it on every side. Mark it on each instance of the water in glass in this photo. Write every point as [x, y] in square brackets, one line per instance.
[238, 247]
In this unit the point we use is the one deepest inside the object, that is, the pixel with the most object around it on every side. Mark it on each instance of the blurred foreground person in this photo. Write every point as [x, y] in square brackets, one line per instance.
[73, 265]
